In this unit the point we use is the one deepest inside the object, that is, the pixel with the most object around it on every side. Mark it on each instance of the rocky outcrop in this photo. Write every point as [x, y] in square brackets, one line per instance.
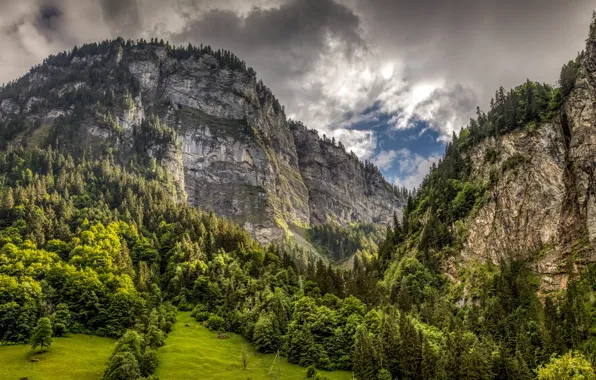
[340, 187]
[541, 203]
[233, 152]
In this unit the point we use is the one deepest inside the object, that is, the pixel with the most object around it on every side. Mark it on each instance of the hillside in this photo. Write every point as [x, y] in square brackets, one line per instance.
[203, 118]
[518, 182]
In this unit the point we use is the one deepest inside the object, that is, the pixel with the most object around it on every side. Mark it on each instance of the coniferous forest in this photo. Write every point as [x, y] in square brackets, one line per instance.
[89, 244]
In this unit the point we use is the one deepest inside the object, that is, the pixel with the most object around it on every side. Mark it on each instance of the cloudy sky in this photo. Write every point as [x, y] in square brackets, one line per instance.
[391, 79]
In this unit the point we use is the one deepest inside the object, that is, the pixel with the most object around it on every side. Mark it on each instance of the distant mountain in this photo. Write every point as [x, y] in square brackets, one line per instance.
[202, 119]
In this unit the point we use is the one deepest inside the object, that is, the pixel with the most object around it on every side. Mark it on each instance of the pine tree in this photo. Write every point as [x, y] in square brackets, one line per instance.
[62, 319]
[365, 363]
[42, 335]
[123, 366]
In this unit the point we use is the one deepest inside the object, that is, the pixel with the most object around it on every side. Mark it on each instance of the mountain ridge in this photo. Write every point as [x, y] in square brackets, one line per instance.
[220, 134]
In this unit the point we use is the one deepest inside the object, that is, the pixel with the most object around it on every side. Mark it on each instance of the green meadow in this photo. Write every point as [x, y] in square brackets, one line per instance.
[75, 357]
[195, 352]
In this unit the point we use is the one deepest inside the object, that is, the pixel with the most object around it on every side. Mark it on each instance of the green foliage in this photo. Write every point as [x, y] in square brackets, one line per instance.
[571, 366]
[569, 73]
[513, 163]
[384, 375]
[341, 242]
[123, 366]
[149, 362]
[490, 156]
[98, 240]
[61, 320]
[215, 323]
[266, 336]
[42, 335]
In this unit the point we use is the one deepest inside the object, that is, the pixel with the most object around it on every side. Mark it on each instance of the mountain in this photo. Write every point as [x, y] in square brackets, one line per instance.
[517, 183]
[202, 118]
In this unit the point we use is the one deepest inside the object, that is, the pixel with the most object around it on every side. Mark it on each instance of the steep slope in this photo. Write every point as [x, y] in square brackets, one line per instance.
[543, 204]
[518, 182]
[341, 187]
[202, 118]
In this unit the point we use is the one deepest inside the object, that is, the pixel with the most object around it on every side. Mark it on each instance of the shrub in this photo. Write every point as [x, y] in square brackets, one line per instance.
[215, 323]
[200, 313]
[384, 375]
[42, 335]
[571, 366]
[123, 366]
[513, 162]
[266, 336]
[149, 362]
[490, 156]
[569, 73]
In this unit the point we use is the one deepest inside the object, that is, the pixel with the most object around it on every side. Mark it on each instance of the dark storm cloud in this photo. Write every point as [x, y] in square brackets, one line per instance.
[496, 42]
[417, 59]
[123, 15]
[296, 32]
[49, 17]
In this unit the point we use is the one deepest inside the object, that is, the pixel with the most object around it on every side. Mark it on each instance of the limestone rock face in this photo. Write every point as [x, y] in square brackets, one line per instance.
[340, 186]
[233, 153]
[543, 202]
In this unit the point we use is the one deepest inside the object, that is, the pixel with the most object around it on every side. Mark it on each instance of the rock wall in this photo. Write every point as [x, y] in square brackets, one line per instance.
[340, 187]
[234, 153]
[542, 203]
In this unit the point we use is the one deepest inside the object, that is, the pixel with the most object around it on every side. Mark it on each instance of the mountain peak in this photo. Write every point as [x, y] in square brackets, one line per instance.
[216, 132]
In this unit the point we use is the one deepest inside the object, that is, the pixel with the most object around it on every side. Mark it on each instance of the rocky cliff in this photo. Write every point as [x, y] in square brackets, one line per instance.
[541, 202]
[217, 134]
[341, 187]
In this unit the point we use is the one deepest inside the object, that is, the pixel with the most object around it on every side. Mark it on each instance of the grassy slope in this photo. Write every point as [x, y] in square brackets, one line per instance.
[195, 352]
[75, 357]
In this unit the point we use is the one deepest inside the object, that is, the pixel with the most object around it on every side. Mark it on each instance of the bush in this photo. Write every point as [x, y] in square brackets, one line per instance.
[571, 366]
[202, 316]
[216, 323]
[490, 156]
[464, 201]
[200, 313]
[384, 375]
[60, 329]
[149, 362]
[183, 305]
[61, 319]
[123, 366]
[42, 335]
[569, 73]
[266, 337]
[311, 372]
[513, 162]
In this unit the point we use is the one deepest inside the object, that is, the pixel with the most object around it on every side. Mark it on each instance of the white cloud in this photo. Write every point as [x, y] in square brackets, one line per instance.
[412, 168]
[385, 159]
[362, 143]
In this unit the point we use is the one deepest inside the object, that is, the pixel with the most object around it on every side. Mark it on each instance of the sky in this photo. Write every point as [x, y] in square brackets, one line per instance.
[391, 79]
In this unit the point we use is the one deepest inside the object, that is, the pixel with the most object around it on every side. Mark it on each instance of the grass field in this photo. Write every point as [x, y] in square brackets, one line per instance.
[194, 352]
[76, 357]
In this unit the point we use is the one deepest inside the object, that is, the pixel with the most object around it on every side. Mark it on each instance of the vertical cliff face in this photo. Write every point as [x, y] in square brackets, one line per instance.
[219, 135]
[238, 153]
[542, 203]
[340, 187]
